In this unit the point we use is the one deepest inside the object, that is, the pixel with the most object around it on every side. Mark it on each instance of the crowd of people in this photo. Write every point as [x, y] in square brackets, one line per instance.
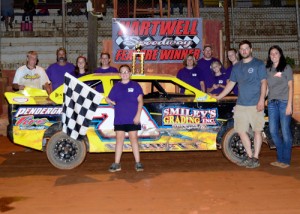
[249, 78]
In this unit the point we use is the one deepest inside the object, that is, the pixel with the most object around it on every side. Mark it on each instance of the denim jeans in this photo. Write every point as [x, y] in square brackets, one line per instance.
[278, 120]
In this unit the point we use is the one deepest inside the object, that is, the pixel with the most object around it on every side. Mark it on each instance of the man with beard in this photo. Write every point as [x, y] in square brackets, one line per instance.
[56, 71]
[250, 74]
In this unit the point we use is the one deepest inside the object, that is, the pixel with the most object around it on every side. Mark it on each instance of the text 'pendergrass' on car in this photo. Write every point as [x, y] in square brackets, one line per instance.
[170, 121]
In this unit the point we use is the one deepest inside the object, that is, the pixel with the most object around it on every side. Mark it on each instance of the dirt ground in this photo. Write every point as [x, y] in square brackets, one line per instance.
[173, 182]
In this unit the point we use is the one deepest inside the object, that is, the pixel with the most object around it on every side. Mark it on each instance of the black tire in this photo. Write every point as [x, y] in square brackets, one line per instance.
[232, 146]
[64, 152]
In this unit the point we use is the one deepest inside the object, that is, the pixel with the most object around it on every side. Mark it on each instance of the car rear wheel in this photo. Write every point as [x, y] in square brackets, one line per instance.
[64, 152]
[232, 146]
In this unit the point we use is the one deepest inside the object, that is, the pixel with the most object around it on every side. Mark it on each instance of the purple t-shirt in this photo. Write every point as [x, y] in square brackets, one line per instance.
[235, 88]
[57, 72]
[77, 76]
[110, 69]
[206, 72]
[125, 96]
[190, 76]
[221, 80]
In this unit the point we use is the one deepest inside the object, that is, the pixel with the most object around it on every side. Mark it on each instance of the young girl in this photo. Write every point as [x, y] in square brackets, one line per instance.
[127, 98]
[81, 67]
[220, 80]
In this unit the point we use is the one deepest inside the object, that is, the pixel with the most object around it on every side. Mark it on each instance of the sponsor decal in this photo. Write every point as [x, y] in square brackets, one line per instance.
[29, 122]
[20, 99]
[189, 118]
[38, 111]
[203, 98]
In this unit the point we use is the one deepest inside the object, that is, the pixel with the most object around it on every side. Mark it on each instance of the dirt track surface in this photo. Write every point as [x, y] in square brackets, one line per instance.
[173, 182]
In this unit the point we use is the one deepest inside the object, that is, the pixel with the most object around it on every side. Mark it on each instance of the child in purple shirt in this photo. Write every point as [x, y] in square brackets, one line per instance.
[127, 98]
[104, 68]
[190, 74]
[220, 79]
[204, 66]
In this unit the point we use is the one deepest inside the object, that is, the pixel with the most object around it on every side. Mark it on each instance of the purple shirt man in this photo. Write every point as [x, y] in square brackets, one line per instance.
[125, 96]
[56, 71]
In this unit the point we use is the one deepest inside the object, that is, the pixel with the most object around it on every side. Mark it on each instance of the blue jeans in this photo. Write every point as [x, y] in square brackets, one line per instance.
[279, 120]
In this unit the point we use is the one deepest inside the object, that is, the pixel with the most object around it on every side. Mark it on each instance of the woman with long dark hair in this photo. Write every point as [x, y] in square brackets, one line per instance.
[280, 101]
[81, 67]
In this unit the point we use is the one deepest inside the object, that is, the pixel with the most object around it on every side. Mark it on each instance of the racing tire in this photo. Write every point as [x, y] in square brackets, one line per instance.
[64, 152]
[232, 146]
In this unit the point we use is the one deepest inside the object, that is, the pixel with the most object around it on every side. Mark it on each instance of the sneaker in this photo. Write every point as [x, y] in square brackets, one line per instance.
[253, 164]
[246, 160]
[139, 167]
[115, 167]
[275, 163]
[284, 165]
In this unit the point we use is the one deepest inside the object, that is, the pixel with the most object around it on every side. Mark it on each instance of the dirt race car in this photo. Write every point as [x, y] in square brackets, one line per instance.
[170, 121]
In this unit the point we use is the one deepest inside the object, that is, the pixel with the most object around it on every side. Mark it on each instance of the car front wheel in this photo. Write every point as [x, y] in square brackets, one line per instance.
[64, 152]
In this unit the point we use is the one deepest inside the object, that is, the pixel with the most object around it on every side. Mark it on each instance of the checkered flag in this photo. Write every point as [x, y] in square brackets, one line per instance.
[80, 104]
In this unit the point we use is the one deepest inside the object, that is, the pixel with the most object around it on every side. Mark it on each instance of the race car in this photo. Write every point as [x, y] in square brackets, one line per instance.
[170, 121]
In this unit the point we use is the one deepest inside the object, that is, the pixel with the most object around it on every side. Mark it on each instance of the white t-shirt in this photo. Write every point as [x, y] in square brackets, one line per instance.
[34, 78]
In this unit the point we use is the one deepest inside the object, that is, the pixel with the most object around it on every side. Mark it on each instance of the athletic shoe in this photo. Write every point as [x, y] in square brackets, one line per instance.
[246, 160]
[284, 165]
[115, 167]
[253, 164]
[279, 164]
[275, 163]
[139, 167]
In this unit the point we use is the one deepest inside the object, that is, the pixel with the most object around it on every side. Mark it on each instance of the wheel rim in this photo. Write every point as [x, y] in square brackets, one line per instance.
[236, 146]
[65, 150]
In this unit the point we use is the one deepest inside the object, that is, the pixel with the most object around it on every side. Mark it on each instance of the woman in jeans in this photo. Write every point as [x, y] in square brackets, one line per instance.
[280, 98]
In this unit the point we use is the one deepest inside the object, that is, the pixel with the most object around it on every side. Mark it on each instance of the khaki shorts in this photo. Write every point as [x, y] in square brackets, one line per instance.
[248, 115]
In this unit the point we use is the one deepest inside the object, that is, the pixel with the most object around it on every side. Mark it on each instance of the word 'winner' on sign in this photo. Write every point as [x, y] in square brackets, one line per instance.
[162, 40]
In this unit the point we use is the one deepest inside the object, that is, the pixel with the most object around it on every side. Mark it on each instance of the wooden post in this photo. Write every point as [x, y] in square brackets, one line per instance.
[92, 42]
[227, 30]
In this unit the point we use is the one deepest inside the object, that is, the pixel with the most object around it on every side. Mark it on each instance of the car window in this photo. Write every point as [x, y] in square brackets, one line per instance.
[161, 89]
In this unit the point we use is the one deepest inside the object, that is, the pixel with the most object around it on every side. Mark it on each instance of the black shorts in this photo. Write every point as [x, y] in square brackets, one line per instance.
[127, 127]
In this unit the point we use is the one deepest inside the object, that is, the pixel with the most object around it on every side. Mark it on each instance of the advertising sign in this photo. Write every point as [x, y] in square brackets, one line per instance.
[163, 40]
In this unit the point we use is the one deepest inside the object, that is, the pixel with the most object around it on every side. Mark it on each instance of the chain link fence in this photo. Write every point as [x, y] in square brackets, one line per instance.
[264, 23]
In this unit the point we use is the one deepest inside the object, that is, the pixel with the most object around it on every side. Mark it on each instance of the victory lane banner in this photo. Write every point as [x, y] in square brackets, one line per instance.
[163, 40]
